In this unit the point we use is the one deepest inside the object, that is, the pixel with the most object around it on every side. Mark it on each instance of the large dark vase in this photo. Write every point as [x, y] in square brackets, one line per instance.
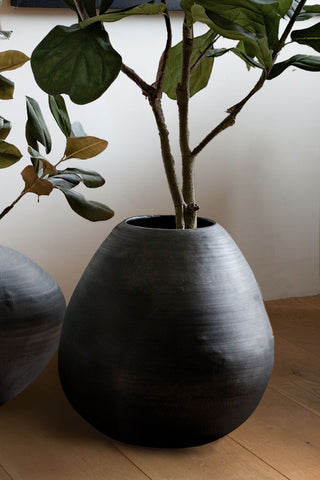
[32, 308]
[166, 341]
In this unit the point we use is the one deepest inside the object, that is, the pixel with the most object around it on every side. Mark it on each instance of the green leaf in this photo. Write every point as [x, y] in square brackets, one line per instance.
[251, 62]
[256, 24]
[310, 63]
[64, 181]
[78, 62]
[150, 8]
[12, 59]
[59, 111]
[84, 147]
[34, 184]
[308, 36]
[88, 209]
[5, 127]
[6, 88]
[36, 129]
[217, 52]
[89, 178]
[4, 34]
[9, 154]
[199, 77]
[309, 11]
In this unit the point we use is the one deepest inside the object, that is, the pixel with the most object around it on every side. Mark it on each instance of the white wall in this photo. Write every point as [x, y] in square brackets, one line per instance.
[260, 179]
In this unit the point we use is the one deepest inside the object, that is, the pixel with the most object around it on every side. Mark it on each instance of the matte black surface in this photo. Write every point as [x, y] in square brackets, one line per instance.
[166, 341]
[31, 312]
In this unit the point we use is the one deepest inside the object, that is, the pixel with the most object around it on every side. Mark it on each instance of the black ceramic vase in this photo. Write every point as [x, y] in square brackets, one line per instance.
[31, 313]
[166, 341]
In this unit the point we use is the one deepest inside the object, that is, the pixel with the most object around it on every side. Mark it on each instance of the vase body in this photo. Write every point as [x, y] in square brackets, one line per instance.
[32, 308]
[166, 341]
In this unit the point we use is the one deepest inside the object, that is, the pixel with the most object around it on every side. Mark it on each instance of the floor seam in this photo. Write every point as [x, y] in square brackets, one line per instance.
[293, 400]
[261, 459]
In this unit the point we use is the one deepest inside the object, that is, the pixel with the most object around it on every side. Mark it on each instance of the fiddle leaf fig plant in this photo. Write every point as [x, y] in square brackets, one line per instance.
[80, 61]
[42, 176]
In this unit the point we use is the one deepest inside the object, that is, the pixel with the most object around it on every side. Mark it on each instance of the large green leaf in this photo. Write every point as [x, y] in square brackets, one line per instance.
[84, 147]
[228, 28]
[6, 88]
[308, 36]
[9, 154]
[89, 178]
[255, 23]
[200, 76]
[5, 127]
[36, 128]
[150, 8]
[79, 62]
[12, 59]
[88, 209]
[59, 111]
[310, 63]
[64, 181]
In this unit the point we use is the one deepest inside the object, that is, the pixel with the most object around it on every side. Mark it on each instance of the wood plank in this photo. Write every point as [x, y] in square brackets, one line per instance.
[297, 320]
[41, 437]
[285, 435]
[4, 475]
[221, 460]
[296, 373]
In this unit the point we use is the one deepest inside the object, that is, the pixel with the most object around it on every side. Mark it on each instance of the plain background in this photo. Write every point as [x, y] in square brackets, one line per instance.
[259, 179]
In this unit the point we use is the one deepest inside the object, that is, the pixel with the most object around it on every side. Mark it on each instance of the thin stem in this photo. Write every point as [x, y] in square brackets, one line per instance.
[147, 89]
[236, 109]
[168, 161]
[183, 97]
[6, 210]
[165, 55]
[81, 10]
[288, 29]
[201, 56]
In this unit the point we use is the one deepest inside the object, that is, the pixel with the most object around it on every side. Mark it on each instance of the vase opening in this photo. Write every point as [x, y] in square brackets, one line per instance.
[164, 222]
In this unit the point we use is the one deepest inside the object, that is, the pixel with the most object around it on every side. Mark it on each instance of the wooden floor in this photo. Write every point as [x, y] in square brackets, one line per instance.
[42, 438]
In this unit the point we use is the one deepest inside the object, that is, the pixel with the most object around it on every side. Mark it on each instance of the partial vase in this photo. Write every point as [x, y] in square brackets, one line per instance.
[32, 308]
[166, 341]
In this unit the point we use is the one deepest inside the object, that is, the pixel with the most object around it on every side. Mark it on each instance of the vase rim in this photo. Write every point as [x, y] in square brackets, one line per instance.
[164, 222]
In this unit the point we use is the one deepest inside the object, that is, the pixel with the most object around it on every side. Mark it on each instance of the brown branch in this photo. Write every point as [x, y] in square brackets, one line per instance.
[168, 161]
[201, 57]
[236, 109]
[81, 10]
[288, 29]
[158, 84]
[147, 90]
[6, 210]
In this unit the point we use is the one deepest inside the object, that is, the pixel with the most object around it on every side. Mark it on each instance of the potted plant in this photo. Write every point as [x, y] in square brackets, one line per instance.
[166, 341]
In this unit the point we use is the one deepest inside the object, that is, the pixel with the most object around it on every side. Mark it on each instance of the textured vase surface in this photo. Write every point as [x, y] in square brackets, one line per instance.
[31, 313]
[166, 341]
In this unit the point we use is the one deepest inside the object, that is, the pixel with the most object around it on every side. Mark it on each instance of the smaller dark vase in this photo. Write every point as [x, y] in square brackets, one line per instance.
[32, 307]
